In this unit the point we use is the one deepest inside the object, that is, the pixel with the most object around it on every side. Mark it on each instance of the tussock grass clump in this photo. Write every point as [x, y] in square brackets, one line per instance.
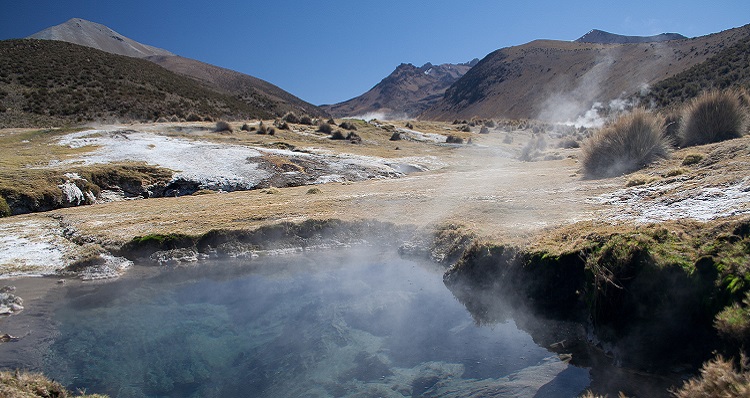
[28, 385]
[222, 127]
[718, 378]
[452, 139]
[338, 135]
[713, 117]
[245, 127]
[675, 172]
[691, 159]
[629, 144]
[325, 128]
[348, 126]
[639, 179]
[290, 117]
[306, 120]
[314, 191]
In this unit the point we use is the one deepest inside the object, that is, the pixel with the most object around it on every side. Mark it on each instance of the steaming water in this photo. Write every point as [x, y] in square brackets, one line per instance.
[342, 323]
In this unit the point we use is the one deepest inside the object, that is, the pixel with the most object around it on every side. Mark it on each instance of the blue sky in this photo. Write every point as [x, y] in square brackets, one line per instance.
[330, 51]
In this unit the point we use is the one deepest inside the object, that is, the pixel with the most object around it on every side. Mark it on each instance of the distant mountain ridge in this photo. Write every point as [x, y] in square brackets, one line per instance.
[256, 92]
[91, 34]
[405, 93]
[559, 81]
[602, 37]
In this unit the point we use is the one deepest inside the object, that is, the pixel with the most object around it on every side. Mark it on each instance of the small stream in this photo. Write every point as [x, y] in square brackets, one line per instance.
[341, 323]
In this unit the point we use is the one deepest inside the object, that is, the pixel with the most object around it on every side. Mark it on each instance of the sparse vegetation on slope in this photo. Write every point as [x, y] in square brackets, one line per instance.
[714, 116]
[45, 82]
[629, 144]
[30, 385]
[727, 69]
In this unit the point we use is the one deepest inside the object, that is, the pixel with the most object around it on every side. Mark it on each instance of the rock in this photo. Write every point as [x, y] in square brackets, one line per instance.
[5, 310]
[16, 307]
[71, 194]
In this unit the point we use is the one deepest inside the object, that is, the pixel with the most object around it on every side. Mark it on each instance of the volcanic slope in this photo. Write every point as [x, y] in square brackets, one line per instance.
[256, 92]
[559, 81]
[405, 93]
[47, 82]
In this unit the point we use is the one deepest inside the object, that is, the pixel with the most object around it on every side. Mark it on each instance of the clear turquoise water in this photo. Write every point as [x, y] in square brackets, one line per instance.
[341, 323]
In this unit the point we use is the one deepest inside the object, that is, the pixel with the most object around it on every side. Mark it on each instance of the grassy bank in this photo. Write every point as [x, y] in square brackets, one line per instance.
[651, 293]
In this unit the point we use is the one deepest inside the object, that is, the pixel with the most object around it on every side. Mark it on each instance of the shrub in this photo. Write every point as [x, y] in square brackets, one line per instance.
[465, 128]
[490, 123]
[484, 130]
[262, 129]
[325, 128]
[348, 126]
[338, 135]
[712, 117]
[452, 139]
[314, 191]
[733, 322]
[222, 126]
[306, 120]
[331, 121]
[396, 136]
[629, 144]
[193, 118]
[271, 131]
[4, 208]
[245, 127]
[718, 378]
[409, 126]
[290, 117]
[354, 138]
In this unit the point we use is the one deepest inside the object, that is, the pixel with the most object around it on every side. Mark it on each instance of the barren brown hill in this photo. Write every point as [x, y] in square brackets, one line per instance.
[250, 89]
[558, 81]
[255, 92]
[405, 93]
[600, 36]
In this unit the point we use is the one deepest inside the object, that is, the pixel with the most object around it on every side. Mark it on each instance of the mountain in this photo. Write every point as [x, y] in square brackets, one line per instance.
[256, 92]
[405, 93]
[49, 82]
[250, 89]
[602, 37]
[560, 81]
[729, 68]
[90, 34]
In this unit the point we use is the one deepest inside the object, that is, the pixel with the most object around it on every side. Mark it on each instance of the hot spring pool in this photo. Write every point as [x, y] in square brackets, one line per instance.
[328, 324]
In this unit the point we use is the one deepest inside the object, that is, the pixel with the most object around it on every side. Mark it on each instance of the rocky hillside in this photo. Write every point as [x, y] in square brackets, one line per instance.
[256, 92]
[47, 82]
[406, 92]
[602, 37]
[559, 81]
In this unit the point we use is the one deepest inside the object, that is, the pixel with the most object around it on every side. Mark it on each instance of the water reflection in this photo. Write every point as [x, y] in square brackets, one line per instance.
[342, 323]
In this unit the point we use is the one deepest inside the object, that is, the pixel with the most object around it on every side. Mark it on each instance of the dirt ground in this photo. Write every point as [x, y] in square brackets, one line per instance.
[482, 186]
